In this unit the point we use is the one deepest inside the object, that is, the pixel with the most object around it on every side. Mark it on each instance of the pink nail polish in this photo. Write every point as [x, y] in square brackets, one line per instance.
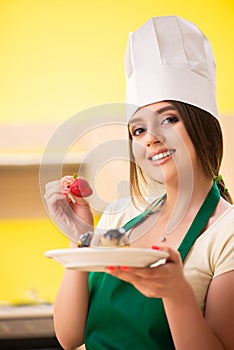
[155, 247]
[110, 268]
[124, 268]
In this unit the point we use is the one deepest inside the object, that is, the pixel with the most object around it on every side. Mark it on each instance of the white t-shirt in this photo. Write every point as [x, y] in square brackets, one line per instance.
[211, 255]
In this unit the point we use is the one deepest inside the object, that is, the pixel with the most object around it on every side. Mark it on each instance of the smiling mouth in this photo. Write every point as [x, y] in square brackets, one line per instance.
[162, 155]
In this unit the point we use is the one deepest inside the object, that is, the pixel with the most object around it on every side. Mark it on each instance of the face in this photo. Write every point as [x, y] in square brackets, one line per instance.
[161, 145]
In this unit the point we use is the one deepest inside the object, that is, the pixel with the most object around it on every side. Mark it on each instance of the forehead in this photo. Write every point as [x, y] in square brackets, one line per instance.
[151, 110]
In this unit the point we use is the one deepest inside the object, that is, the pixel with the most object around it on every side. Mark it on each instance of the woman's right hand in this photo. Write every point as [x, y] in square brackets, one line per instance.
[72, 217]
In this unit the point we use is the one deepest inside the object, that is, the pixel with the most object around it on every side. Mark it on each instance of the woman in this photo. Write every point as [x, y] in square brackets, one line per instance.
[186, 303]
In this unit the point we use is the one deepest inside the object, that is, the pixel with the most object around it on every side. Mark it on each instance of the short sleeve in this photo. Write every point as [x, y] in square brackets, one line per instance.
[225, 260]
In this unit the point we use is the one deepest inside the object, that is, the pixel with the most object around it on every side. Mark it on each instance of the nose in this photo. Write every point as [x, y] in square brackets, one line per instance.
[152, 138]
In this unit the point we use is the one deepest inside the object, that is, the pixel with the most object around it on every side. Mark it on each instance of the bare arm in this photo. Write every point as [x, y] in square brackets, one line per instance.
[70, 309]
[71, 304]
[189, 328]
[220, 315]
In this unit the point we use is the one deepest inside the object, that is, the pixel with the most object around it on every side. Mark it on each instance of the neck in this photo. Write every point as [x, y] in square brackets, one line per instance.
[184, 199]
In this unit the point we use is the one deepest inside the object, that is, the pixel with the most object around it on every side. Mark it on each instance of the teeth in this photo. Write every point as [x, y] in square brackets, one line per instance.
[162, 155]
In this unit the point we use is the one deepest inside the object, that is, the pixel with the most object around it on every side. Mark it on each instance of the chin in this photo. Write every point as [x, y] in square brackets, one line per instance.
[163, 176]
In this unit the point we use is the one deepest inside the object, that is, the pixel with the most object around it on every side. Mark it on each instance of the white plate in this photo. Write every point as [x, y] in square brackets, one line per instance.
[95, 259]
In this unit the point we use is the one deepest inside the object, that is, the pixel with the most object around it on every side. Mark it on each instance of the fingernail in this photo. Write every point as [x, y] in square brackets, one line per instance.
[155, 247]
[124, 268]
[110, 269]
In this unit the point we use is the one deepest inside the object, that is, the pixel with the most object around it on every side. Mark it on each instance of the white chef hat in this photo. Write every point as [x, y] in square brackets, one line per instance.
[169, 58]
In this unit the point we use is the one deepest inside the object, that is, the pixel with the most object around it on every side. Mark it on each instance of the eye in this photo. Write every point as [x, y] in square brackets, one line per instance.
[137, 131]
[171, 119]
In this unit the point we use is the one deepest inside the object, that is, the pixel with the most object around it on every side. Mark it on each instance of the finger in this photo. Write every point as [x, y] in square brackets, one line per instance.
[54, 192]
[136, 273]
[52, 189]
[55, 187]
[125, 275]
[174, 255]
[52, 184]
[55, 199]
[81, 201]
[53, 195]
[158, 271]
[132, 274]
[67, 178]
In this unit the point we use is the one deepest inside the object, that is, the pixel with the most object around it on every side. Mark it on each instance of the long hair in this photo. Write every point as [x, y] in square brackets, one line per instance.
[206, 135]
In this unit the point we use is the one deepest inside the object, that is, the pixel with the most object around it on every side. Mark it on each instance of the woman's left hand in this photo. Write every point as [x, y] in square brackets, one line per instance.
[163, 281]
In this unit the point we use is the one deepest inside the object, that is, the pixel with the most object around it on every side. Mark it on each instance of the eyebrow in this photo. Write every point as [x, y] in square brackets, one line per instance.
[159, 111]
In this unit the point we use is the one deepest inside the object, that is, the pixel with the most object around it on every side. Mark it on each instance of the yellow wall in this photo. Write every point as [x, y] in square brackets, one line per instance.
[27, 276]
[59, 57]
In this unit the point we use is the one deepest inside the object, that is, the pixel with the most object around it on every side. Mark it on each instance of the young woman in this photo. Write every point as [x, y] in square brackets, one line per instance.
[186, 303]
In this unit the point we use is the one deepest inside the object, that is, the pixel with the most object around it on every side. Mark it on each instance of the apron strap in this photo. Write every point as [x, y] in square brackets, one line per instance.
[197, 225]
[141, 217]
[200, 221]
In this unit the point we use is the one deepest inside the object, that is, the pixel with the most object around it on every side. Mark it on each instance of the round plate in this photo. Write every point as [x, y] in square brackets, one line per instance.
[95, 259]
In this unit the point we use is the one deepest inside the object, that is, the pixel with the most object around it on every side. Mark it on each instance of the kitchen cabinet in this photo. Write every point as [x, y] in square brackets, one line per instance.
[19, 183]
[27, 327]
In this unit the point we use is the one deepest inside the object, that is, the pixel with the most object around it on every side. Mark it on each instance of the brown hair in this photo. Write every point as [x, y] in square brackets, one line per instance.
[206, 135]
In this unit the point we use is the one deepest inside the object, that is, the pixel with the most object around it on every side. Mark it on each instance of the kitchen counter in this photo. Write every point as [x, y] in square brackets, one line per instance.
[27, 327]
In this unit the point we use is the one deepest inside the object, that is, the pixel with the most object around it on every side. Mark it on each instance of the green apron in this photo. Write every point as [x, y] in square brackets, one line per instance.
[120, 317]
